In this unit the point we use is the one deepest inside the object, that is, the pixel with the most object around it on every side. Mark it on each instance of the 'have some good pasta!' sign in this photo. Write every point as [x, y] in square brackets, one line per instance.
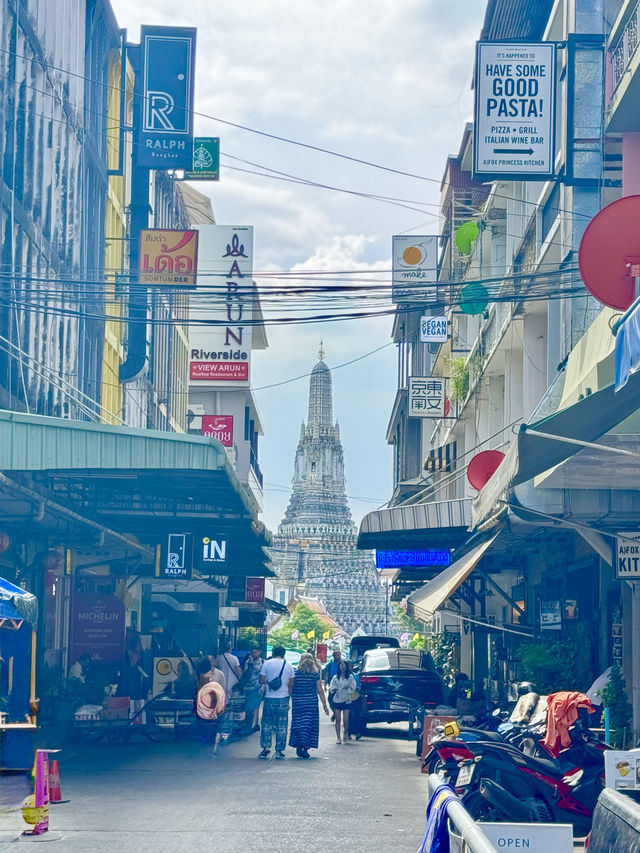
[515, 111]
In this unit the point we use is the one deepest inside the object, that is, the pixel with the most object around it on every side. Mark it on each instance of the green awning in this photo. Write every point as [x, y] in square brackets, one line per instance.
[133, 481]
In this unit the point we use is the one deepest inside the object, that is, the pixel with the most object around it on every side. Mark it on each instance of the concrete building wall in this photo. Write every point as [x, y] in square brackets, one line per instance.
[53, 76]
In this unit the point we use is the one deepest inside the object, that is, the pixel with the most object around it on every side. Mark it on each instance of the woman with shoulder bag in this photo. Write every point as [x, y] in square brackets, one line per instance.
[357, 709]
[305, 717]
[342, 686]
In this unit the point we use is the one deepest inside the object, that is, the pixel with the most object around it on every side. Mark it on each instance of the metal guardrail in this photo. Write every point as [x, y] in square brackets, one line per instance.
[622, 53]
[469, 837]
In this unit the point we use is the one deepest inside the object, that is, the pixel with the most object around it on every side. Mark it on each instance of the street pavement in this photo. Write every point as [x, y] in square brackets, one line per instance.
[360, 797]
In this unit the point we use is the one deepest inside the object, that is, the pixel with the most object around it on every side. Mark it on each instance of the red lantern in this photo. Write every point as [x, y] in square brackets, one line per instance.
[4, 541]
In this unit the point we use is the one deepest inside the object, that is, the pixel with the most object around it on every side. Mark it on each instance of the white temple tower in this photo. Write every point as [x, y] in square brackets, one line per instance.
[314, 551]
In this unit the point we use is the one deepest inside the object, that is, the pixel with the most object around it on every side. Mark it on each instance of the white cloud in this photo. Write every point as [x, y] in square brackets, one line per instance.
[383, 81]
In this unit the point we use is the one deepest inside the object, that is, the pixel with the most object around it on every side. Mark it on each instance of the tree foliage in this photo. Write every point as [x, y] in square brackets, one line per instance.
[561, 664]
[614, 697]
[302, 620]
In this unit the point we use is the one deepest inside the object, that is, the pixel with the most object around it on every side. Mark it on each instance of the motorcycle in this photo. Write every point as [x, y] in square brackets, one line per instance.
[563, 789]
[446, 751]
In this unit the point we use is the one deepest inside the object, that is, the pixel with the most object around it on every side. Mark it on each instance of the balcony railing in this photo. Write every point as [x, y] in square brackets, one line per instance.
[256, 468]
[624, 50]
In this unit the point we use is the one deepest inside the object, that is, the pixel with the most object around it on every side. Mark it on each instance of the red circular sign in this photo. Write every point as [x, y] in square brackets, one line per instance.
[608, 247]
[483, 466]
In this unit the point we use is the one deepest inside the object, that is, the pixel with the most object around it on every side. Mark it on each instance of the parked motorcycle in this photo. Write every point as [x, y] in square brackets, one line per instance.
[499, 782]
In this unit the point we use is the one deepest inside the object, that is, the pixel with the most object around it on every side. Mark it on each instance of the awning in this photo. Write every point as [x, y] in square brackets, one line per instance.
[426, 601]
[83, 480]
[627, 352]
[545, 443]
[17, 604]
[275, 606]
[434, 524]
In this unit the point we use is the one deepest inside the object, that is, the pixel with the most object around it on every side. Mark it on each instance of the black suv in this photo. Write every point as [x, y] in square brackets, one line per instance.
[398, 684]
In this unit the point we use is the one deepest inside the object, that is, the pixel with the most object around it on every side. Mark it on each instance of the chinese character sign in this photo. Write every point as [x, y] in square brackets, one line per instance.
[427, 397]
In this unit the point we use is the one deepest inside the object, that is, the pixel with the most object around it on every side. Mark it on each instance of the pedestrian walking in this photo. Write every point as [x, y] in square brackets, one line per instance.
[277, 674]
[207, 671]
[210, 707]
[305, 718]
[330, 670]
[252, 688]
[230, 666]
[357, 709]
[342, 686]
[184, 685]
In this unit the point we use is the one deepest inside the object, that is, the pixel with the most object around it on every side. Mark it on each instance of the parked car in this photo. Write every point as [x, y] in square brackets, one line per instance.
[360, 645]
[616, 824]
[292, 657]
[398, 684]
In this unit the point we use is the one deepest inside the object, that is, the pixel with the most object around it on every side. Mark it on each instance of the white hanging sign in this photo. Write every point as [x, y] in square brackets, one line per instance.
[628, 555]
[434, 330]
[427, 397]
[532, 837]
[514, 132]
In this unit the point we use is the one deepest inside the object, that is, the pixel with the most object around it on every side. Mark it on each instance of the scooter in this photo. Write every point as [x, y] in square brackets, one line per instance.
[446, 752]
[499, 782]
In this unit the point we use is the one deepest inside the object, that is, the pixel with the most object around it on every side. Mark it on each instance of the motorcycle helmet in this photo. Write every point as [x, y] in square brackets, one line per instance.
[526, 687]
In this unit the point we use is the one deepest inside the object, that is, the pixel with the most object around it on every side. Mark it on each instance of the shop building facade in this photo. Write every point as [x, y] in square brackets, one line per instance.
[535, 357]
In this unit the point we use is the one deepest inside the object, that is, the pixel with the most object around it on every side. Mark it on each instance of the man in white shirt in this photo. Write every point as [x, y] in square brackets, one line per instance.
[230, 667]
[278, 676]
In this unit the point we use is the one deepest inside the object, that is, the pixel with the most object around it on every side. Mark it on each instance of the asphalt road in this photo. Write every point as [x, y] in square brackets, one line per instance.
[361, 797]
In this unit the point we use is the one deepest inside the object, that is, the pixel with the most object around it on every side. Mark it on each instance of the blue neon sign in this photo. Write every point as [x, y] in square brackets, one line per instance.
[417, 559]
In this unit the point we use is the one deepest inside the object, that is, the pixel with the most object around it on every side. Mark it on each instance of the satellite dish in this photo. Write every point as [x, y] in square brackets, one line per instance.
[483, 466]
[609, 251]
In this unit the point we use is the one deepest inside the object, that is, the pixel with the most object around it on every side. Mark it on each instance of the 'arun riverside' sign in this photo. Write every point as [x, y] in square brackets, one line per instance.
[220, 333]
[514, 131]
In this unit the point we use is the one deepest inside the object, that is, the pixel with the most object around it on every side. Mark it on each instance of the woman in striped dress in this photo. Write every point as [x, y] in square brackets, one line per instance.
[305, 718]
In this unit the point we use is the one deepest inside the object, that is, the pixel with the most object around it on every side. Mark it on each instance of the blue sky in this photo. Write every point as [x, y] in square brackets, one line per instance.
[388, 82]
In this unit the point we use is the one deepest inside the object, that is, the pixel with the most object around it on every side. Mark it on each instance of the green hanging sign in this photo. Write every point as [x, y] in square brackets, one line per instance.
[206, 159]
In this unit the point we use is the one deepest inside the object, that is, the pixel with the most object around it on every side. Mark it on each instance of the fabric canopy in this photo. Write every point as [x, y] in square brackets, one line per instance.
[432, 524]
[532, 453]
[627, 352]
[17, 603]
[424, 602]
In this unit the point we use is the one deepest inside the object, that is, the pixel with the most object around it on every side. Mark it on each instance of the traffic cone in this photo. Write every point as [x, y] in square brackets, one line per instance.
[55, 791]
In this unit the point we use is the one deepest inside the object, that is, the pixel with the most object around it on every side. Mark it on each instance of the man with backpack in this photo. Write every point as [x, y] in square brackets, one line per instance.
[278, 676]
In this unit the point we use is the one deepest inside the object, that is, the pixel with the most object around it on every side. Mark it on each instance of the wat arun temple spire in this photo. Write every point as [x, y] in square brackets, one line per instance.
[314, 552]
